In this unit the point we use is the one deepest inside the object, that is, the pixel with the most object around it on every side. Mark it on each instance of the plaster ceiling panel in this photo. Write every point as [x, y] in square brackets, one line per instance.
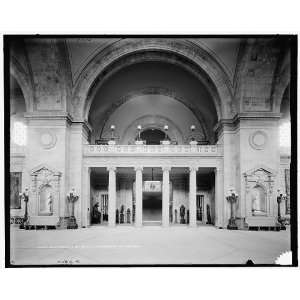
[224, 49]
[81, 50]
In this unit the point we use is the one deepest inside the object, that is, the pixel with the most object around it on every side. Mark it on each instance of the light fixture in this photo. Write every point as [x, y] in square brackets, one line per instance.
[112, 128]
[166, 127]
[139, 128]
[232, 197]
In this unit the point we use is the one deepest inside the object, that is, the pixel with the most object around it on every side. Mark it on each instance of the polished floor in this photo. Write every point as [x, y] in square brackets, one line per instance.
[146, 245]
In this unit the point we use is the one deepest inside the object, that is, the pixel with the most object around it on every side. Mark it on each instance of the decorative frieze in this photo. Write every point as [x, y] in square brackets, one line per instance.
[173, 150]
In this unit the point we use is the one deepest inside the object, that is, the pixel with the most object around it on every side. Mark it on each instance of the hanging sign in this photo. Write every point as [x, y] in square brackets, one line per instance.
[152, 186]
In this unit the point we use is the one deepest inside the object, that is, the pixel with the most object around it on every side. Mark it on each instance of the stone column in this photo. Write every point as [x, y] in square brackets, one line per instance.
[219, 195]
[138, 196]
[112, 196]
[192, 196]
[165, 196]
[86, 198]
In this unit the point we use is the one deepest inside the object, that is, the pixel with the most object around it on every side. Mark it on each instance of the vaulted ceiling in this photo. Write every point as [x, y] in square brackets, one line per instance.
[81, 51]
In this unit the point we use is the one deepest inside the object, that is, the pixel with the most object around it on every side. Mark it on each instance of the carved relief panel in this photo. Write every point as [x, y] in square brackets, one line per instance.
[259, 183]
[45, 196]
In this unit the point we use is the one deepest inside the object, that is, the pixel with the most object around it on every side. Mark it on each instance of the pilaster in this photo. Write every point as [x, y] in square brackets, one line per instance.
[112, 196]
[192, 196]
[139, 196]
[166, 195]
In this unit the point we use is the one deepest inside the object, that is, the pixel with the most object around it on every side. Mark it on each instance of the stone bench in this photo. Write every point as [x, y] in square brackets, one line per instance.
[42, 222]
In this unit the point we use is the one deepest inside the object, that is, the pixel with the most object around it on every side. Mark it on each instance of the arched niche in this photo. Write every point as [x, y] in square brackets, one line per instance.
[153, 136]
[151, 122]
[258, 200]
[45, 190]
[45, 200]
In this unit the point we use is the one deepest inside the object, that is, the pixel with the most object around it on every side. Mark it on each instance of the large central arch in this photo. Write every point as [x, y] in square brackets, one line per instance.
[188, 53]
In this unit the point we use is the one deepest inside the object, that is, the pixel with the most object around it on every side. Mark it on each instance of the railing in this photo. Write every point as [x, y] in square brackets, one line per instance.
[174, 150]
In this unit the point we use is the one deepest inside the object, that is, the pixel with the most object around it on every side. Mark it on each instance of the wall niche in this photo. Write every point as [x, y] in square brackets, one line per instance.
[45, 190]
[259, 183]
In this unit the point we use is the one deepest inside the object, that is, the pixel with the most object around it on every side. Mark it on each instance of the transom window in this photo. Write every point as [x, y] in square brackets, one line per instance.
[19, 133]
[285, 134]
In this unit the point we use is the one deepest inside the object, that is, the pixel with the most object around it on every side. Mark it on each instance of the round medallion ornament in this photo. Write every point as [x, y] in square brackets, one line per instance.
[258, 140]
[48, 139]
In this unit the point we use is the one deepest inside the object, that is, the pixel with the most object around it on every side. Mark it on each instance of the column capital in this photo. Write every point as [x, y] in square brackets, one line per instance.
[138, 168]
[218, 170]
[111, 168]
[193, 168]
[166, 168]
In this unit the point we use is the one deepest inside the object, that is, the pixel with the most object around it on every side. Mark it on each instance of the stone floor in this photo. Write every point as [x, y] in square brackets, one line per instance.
[147, 245]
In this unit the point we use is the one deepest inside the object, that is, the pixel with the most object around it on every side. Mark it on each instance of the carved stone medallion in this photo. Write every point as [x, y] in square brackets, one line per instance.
[48, 139]
[258, 140]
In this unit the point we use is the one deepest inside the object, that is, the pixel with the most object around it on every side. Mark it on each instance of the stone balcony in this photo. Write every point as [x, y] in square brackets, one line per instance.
[152, 150]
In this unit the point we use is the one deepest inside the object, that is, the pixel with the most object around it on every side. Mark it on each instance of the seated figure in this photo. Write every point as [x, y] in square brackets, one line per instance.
[96, 215]
[182, 214]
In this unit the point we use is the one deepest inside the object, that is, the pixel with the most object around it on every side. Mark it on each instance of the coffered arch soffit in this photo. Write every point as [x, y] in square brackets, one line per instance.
[100, 67]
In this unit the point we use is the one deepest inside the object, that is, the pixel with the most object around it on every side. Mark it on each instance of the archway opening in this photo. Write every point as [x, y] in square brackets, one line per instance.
[153, 136]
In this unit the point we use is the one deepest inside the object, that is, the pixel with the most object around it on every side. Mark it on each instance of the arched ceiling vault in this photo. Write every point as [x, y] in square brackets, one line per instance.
[153, 77]
[97, 68]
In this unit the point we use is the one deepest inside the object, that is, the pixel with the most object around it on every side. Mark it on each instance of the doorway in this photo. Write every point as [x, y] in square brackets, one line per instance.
[152, 208]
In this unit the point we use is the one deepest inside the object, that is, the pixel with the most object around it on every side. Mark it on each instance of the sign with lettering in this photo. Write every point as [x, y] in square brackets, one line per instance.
[152, 186]
[257, 104]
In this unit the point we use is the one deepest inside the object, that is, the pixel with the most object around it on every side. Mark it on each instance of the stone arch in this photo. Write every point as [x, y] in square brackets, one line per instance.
[155, 91]
[280, 85]
[23, 79]
[187, 50]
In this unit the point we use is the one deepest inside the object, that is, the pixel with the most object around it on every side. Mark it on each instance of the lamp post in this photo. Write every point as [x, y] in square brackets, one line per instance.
[166, 128]
[112, 130]
[139, 128]
[193, 127]
[72, 198]
[280, 197]
[232, 197]
[25, 196]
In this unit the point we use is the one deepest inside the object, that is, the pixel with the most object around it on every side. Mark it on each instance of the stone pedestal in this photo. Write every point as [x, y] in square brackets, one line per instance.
[72, 224]
[232, 225]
